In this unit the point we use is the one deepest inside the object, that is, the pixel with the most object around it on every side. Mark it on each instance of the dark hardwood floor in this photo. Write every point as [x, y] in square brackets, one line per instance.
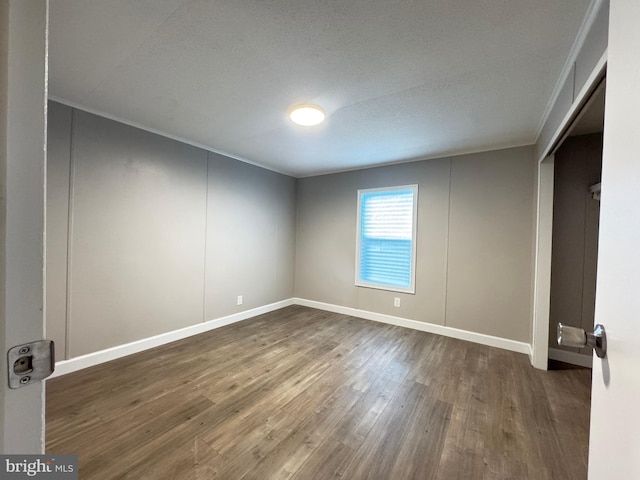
[306, 394]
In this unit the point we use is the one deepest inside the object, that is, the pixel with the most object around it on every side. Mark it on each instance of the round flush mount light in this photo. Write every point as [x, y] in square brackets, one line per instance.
[307, 115]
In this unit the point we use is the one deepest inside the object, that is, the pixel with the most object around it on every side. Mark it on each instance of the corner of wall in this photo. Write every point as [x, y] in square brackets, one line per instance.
[95, 358]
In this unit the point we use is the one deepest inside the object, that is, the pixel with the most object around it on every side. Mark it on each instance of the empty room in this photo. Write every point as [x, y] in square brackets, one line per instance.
[312, 240]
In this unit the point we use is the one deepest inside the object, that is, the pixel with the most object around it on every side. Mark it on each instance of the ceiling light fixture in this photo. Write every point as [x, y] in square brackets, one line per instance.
[307, 115]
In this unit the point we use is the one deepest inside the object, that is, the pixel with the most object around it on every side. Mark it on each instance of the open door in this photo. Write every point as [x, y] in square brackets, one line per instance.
[614, 450]
[23, 26]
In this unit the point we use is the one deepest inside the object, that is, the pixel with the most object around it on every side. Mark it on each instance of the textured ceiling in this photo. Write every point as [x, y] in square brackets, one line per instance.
[399, 80]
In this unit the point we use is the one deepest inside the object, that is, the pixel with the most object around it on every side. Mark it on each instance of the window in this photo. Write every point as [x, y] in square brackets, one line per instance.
[386, 246]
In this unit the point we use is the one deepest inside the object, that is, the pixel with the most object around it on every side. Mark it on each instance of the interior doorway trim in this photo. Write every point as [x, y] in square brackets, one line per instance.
[542, 269]
[579, 103]
[544, 218]
[570, 357]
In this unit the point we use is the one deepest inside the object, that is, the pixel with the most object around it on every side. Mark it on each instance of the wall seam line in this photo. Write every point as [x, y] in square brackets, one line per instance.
[448, 239]
[206, 230]
[67, 320]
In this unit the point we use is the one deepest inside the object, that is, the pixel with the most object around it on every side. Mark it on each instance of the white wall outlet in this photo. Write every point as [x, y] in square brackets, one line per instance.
[396, 301]
[239, 299]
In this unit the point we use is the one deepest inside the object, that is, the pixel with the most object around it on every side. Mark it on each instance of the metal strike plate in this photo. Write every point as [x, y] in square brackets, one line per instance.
[30, 363]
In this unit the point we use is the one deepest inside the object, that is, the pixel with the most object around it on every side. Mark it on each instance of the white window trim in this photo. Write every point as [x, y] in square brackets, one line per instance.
[360, 283]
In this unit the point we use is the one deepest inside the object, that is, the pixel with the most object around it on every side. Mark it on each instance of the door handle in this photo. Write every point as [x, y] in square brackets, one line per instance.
[577, 337]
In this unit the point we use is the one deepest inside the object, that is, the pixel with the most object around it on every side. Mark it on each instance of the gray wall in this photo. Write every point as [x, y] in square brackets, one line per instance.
[474, 246]
[147, 235]
[57, 213]
[250, 236]
[574, 259]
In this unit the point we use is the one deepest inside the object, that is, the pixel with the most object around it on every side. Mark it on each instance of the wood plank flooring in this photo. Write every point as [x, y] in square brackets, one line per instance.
[307, 394]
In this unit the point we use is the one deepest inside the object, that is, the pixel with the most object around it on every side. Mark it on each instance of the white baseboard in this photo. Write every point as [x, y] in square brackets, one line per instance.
[78, 363]
[504, 343]
[571, 357]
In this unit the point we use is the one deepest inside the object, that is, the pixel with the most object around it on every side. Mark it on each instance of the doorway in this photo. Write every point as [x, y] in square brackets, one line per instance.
[576, 213]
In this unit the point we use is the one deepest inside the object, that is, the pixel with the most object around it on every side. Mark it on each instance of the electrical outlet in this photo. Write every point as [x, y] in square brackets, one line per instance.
[396, 301]
[239, 299]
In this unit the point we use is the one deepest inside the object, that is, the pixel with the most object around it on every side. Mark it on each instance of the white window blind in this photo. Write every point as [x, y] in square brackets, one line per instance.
[386, 238]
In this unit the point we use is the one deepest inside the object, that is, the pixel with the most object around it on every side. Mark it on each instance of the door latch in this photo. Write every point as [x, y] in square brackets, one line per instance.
[30, 363]
[577, 337]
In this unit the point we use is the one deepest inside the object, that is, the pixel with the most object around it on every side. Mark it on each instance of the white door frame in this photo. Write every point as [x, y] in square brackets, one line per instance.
[544, 226]
[542, 272]
[23, 80]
